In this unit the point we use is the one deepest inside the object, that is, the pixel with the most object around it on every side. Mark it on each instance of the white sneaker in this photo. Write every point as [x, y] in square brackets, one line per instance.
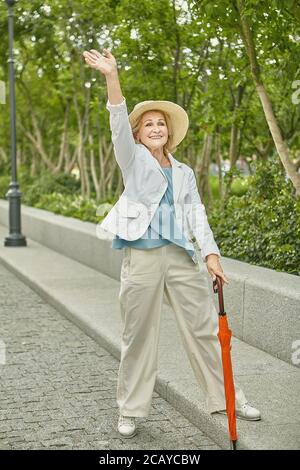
[246, 412]
[127, 426]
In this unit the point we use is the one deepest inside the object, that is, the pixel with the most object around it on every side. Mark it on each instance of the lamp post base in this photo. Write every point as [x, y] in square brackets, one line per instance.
[15, 239]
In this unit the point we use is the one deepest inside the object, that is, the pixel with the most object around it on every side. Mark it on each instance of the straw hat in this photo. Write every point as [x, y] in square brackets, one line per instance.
[179, 121]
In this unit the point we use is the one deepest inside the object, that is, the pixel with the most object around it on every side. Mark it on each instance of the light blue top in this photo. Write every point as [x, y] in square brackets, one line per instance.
[163, 228]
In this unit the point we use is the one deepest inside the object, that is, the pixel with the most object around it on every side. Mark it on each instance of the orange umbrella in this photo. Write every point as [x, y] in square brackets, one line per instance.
[224, 336]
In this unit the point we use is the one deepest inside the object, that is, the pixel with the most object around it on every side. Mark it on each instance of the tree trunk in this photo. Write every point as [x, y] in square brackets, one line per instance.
[234, 138]
[219, 161]
[203, 170]
[93, 168]
[280, 145]
[82, 123]
[234, 135]
[63, 143]
[37, 141]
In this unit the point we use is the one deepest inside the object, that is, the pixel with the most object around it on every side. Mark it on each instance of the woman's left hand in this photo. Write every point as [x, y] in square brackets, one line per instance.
[214, 268]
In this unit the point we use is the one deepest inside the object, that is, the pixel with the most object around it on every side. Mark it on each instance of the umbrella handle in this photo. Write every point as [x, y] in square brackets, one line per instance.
[217, 286]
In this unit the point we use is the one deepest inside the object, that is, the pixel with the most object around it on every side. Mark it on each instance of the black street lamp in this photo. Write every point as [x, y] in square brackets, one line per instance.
[15, 237]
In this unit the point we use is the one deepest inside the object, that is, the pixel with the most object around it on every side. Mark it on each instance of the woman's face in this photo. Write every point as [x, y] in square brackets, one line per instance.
[153, 131]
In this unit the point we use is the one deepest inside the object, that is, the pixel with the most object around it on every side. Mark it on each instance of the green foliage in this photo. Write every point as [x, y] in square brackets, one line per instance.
[75, 206]
[261, 227]
[69, 206]
[46, 184]
[24, 180]
[239, 186]
[4, 182]
[214, 185]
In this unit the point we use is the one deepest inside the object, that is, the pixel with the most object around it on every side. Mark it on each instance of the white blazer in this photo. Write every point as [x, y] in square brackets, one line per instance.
[145, 183]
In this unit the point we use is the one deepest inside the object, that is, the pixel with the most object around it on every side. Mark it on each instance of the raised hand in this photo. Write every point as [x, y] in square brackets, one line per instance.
[104, 62]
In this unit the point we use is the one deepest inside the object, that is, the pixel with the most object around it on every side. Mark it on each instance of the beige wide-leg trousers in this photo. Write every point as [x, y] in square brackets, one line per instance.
[145, 276]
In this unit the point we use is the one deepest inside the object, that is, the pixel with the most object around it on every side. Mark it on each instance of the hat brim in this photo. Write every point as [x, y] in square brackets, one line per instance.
[178, 117]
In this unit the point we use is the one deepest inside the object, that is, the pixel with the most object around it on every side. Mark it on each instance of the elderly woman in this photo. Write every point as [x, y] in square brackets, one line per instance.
[161, 224]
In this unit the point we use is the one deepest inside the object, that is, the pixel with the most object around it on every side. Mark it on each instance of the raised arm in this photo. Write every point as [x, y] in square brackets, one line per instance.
[122, 138]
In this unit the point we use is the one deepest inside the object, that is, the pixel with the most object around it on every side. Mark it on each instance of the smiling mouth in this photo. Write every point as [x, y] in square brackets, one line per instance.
[155, 137]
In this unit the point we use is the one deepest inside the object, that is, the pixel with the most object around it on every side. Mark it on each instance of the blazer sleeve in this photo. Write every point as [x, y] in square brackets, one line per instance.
[200, 226]
[121, 132]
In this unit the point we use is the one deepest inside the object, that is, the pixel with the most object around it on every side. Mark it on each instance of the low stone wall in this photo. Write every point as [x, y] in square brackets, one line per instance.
[263, 305]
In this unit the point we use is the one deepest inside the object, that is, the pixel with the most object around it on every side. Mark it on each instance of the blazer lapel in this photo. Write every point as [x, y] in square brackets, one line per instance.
[177, 175]
[159, 167]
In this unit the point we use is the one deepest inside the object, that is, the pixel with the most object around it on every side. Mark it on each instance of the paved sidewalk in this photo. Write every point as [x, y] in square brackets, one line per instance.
[58, 386]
